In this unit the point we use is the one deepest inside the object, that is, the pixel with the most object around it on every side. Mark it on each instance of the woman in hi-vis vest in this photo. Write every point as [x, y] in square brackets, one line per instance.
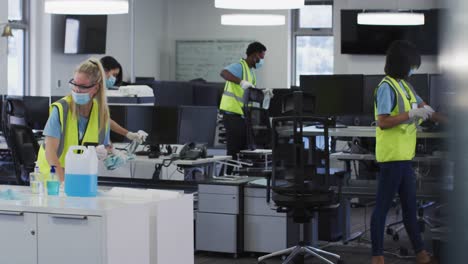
[397, 111]
[77, 119]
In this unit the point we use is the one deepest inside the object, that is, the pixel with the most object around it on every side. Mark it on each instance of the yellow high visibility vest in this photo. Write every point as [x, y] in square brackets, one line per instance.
[69, 135]
[233, 96]
[397, 143]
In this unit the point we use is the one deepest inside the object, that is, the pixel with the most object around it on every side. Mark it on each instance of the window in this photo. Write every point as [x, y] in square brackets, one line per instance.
[312, 40]
[17, 47]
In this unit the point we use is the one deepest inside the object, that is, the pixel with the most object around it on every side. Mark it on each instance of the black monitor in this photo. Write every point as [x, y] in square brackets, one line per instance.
[420, 83]
[165, 125]
[371, 82]
[119, 115]
[442, 93]
[85, 34]
[335, 94]
[197, 124]
[276, 103]
[37, 111]
[139, 117]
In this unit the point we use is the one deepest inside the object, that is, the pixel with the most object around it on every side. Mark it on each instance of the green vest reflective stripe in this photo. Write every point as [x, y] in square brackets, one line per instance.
[69, 134]
[397, 143]
[233, 96]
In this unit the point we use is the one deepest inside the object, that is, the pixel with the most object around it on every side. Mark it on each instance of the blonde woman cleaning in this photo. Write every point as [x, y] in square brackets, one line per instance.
[77, 119]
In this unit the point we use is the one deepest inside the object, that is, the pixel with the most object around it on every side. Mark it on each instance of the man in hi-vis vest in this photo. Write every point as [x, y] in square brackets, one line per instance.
[239, 76]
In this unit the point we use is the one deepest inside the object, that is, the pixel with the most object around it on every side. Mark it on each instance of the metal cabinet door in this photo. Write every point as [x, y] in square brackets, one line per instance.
[216, 232]
[70, 239]
[18, 237]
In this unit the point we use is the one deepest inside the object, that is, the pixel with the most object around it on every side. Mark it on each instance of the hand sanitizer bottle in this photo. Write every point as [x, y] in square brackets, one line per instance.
[35, 181]
[53, 184]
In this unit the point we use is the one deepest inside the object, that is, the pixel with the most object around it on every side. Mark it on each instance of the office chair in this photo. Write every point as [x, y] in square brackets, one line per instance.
[301, 182]
[24, 149]
[257, 120]
[19, 137]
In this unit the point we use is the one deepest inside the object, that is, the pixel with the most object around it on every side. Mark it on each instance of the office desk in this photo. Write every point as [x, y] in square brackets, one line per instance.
[143, 167]
[361, 131]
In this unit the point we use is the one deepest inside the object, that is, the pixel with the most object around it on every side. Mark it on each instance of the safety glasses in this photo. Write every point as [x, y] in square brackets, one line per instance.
[81, 87]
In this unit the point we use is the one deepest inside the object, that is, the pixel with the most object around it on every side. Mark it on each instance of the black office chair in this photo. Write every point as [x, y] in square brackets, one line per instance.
[19, 138]
[24, 149]
[257, 120]
[302, 181]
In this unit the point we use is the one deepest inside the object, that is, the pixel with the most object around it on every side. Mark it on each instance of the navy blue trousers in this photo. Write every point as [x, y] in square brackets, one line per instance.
[395, 177]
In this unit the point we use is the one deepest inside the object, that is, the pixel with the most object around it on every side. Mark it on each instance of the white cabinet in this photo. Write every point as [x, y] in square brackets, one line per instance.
[71, 239]
[18, 237]
[50, 238]
[120, 227]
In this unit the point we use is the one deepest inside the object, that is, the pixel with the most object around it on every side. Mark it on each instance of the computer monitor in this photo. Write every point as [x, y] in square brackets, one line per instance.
[118, 113]
[165, 125]
[139, 117]
[197, 124]
[335, 94]
[276, 103]
[371, 82]
[420, 83]
[37, 111]
[442, 93]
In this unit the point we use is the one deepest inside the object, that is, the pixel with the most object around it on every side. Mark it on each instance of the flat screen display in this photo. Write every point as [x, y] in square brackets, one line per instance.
[370, 39]
[335, 94]
[85, 34]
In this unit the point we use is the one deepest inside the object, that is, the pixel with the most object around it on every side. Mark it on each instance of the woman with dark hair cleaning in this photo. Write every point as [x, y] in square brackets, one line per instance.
[397, 111]
[113, 74]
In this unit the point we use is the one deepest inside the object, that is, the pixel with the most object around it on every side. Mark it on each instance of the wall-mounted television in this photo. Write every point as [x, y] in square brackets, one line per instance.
[85, 34]
[369, 39]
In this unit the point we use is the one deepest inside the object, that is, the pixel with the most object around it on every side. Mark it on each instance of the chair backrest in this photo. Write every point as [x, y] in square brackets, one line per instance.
[24, 149]
[301, 168]
[14, 112]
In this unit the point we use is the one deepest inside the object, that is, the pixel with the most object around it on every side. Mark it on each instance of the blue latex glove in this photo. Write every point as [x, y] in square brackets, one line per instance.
[112, 162]
[118, 159]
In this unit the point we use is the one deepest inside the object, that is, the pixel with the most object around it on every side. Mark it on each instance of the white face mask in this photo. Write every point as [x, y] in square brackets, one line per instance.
[81, 98]
[259, 64]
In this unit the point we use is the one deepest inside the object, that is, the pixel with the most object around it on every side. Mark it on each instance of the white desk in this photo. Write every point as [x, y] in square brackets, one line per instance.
[143, 167]
[361, 131]
[371, 157]
[128, 227]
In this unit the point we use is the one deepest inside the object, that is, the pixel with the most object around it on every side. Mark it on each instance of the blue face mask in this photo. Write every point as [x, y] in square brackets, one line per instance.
[259, 64]
[411, 72]
[110, 82]
[81, 98]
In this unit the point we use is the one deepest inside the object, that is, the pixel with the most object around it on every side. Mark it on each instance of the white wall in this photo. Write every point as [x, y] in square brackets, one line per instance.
[40, 51]
[374, 64]
[149, 27]
[200, 20]
[3, 48]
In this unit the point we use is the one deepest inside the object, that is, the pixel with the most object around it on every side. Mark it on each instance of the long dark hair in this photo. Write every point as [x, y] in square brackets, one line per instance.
[110, 63]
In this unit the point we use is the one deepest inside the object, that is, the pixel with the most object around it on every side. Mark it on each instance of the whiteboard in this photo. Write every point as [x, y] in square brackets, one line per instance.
[206, 58]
